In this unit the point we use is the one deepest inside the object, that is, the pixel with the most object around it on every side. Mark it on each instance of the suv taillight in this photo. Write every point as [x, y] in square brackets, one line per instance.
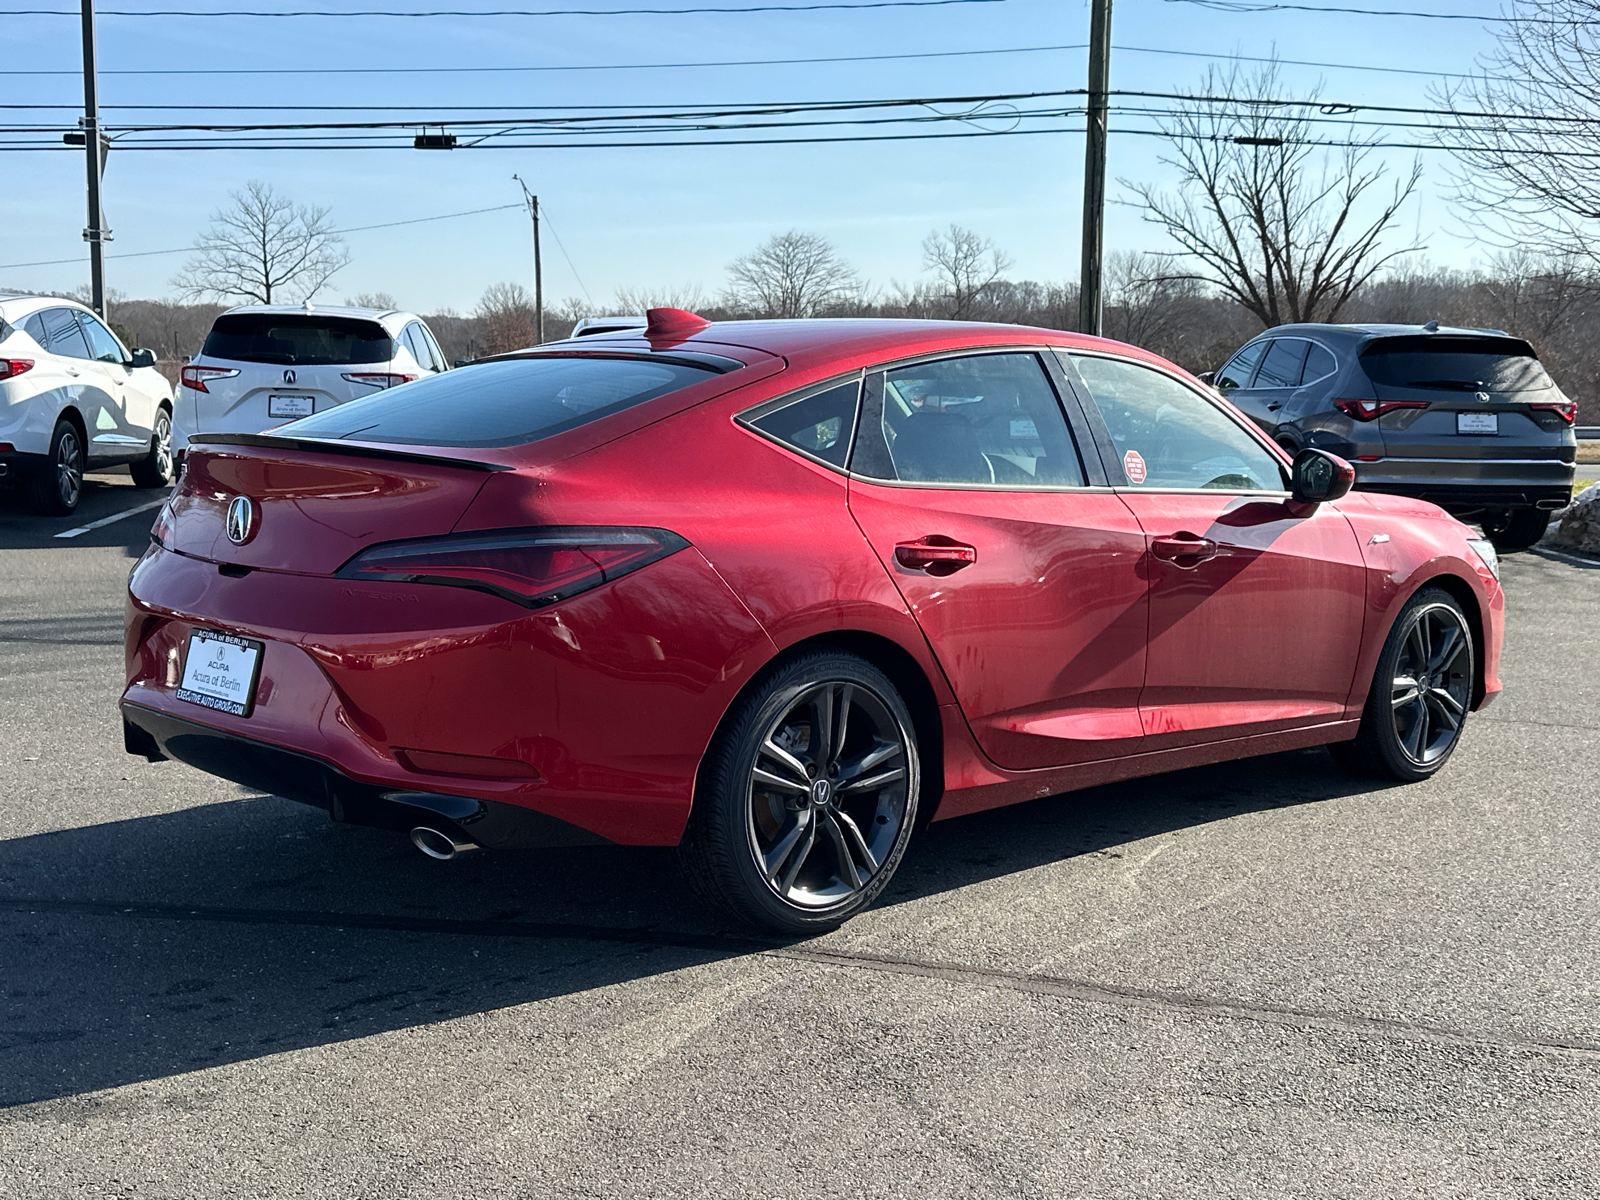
[1371, 410]
[196, 377]
[531, 567]
[1567, 410]
[11, 367]
[382, 379]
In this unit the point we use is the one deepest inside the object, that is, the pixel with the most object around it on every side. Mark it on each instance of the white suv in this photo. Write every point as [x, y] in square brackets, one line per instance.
[72, 398]
[265, 364]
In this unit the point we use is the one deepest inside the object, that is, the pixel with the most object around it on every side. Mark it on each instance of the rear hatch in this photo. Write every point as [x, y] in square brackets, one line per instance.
[286, 366]
[1465, 398]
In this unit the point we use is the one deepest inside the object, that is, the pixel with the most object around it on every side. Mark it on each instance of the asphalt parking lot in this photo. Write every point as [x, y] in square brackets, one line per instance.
[1260, 979]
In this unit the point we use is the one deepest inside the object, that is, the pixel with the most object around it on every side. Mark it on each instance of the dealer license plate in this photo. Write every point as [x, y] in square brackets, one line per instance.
[1477, 423]
[220, 672]
[290, 406]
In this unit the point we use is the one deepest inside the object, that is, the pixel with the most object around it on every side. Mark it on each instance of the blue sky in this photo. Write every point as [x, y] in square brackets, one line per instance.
[657, 217]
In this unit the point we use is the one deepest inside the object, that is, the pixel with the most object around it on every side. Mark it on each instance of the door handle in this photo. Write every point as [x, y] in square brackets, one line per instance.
[935, 554]
[1274, 407]
[1183, 549]
[73, 371]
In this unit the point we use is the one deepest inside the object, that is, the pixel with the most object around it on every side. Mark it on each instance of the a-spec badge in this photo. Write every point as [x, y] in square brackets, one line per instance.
[241, 520]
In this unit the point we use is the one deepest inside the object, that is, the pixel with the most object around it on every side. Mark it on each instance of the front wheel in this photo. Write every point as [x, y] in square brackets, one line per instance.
[155, 469]
[1420, 693]
[807, 798]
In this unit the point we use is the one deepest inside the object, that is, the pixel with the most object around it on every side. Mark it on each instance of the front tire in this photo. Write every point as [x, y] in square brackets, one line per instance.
[1420, 695]
[1517, 529]
[55, 490]
[807, 798]
[155, 469]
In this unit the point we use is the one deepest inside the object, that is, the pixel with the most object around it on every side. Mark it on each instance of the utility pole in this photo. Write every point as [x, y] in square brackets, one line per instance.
[95, 233]
[1090, 298]
[532, 202]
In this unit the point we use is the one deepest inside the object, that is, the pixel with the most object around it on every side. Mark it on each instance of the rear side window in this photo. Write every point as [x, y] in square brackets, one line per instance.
[1320, 363]
[62, 333]
[506, 403]
[294, 340]
[1455, 364]
[989, 419]
[819, 425]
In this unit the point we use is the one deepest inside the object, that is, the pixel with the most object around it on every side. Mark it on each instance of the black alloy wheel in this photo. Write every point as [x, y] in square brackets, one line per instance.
[54, 491]
[1517, 529]
[807, 798]
[1421, 693]
[155, 469]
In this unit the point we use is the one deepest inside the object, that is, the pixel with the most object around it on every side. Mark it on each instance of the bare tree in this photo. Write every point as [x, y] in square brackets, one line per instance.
[791, 274]
[372, 300]
[1526, 132]
[636, 301]
[1285, 229]
[1147, 305]
[507, 313]
[264, 248]
[967, 267]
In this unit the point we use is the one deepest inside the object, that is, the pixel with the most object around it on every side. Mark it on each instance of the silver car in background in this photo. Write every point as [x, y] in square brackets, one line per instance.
[1466, 418]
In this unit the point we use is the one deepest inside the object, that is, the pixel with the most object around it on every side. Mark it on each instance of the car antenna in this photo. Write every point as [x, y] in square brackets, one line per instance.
[1431, 326]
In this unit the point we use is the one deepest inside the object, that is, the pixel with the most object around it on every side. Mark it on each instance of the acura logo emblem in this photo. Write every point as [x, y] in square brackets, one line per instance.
[288, 376]
[241, 520]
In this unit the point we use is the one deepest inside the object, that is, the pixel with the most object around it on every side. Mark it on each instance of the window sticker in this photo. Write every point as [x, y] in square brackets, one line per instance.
[1133, 466]
[1024, 430]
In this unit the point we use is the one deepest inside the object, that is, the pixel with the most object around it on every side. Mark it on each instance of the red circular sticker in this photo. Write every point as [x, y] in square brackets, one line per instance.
[1133, 466]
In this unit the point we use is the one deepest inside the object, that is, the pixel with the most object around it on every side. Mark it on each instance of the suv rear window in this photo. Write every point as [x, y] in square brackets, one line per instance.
[505, 403]
[306, 341]
[1455, 364]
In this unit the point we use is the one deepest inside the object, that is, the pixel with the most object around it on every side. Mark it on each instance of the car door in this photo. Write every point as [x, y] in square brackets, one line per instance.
[116, 431]
[1021, 566]
[96, 394]
[1275, 381]
[1256, 604]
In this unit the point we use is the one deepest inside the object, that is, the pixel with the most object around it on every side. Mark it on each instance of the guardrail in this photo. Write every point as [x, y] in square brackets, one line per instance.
[1589, 433]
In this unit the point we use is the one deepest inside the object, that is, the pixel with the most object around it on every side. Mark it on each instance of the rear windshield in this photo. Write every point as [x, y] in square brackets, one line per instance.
[503, 403]
[306, 341]
[1455, 364]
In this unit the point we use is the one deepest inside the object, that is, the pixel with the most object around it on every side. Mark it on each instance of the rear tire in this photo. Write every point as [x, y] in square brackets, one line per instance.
[1421, 692]
[54, 490]
[1517, 529]
[807, 797]
[155, 469]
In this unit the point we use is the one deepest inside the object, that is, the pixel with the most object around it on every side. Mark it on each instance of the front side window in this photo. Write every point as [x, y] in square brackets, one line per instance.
[989, 419]
[1168, 436]
[1237, 373]
[433, 348]
[1282, 366]
[505, 403]
[291, 339]
[102, 344]
[819, 424]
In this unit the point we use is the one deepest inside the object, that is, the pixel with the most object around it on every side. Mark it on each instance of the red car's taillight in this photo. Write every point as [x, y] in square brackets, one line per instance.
[531, 567]
[11, 367]
[382, 379]
[1567, 410]
[195, 377]
[1371, 410]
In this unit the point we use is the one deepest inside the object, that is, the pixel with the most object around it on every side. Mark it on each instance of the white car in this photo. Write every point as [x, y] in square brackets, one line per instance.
[73, 398]
[266, 364]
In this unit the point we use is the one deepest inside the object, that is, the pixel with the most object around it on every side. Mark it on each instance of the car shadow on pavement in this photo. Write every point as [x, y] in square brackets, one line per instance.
[168, 944]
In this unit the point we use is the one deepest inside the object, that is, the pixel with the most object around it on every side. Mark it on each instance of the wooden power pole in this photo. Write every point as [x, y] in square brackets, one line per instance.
[95, 233]
[532, 202]
[1090, 292]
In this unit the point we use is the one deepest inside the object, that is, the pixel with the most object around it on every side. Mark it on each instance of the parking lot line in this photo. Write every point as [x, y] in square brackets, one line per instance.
[112, 519]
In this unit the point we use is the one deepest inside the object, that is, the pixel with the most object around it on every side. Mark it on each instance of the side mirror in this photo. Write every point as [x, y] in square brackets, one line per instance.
[143, 358]
[1318, 476]
[1209, 378]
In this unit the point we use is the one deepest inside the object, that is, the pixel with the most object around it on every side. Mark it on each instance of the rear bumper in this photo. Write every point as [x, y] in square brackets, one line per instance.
[294, 776]
[1464, 486]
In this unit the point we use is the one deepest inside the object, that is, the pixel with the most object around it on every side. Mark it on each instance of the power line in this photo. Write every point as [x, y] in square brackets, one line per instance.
[834, 5]
[1241, 6]
[471, 212]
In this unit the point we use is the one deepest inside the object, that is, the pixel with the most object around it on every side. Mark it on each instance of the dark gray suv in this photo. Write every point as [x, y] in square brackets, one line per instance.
[1465, 418]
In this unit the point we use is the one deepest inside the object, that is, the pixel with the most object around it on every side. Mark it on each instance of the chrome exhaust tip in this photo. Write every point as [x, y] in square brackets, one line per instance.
[439, 845]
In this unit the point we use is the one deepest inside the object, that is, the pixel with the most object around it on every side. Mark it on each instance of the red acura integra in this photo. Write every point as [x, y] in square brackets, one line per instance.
[778, 593]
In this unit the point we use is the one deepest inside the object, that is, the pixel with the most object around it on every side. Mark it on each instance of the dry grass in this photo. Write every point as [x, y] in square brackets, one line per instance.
[1589, 452]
